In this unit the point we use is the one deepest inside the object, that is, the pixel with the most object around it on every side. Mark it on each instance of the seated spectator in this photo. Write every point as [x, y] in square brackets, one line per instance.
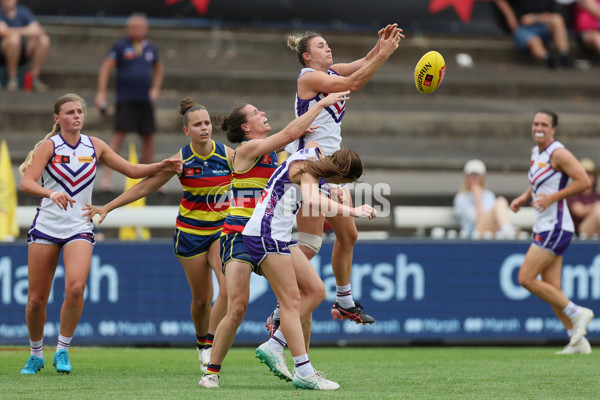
[22, 38]
[533, 24]
[585, 206]
[586, 22]
[477, 208]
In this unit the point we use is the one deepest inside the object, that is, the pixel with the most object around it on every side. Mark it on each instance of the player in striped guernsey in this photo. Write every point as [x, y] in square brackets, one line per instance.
[551, 167]
[205, 179]
[268, 240]
[318, 77]
[254, 162]
[65, 160]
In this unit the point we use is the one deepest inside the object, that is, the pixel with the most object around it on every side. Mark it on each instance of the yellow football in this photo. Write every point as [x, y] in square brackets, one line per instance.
[429, 72]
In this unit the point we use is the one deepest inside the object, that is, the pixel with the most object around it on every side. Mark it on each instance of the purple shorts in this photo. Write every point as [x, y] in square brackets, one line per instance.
[259, 247]
[556, 241]
[35, 236]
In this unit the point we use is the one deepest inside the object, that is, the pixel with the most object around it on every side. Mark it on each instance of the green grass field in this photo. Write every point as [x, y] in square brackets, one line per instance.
[363, 373]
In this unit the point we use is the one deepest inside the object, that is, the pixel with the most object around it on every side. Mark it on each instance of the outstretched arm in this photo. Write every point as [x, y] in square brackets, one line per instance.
[298, 127]
[119, 164]
[319, 81]
[136, 192]
[312, 196]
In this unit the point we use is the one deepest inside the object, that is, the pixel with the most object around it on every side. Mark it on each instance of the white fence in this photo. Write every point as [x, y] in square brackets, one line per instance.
[419, 218]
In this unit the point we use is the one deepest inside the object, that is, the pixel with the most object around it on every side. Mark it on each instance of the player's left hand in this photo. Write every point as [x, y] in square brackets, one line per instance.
[171, 164]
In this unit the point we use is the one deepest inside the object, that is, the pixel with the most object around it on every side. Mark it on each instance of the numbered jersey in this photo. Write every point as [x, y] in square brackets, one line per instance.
[329, 121]
[545, 179]
[71, 170]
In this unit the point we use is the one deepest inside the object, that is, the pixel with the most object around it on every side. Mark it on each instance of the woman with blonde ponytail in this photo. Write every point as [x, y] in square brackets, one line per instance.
[205, 180]
[318, 77]
[66, 163]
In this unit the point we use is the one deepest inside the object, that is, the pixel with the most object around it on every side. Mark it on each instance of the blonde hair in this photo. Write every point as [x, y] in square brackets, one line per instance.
[298, 42]
[67, 98]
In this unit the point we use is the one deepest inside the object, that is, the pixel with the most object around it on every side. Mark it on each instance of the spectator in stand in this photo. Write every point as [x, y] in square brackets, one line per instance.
[587, 23]
[477, 208]
[533, 24]
[22, 38]
[139, 79]
[585, 206]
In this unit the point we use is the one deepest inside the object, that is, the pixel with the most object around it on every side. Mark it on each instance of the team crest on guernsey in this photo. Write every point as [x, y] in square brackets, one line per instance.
[193, 171]
[58, 159]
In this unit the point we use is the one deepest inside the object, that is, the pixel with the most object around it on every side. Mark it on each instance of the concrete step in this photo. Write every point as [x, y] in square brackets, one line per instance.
[406, 116]
[247, 61]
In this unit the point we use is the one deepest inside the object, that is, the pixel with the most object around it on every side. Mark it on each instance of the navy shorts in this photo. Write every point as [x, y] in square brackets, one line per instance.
[135, 117]
[35, 236]
[233, 249]
[187, 245]
[556, 241]
[259, 247]
[523, 35]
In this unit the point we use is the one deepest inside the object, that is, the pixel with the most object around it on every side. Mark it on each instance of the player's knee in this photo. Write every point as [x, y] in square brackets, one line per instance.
[36, 302]
[310, 242]
[237, 311]
[74, 291]
[348, 238]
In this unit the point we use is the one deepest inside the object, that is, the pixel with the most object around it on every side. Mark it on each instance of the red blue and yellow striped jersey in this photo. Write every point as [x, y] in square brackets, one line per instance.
[205, 182]
[246, 189]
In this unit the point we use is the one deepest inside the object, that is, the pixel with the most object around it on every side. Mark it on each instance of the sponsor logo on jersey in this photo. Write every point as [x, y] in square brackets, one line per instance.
[542, 164]
[85, 159]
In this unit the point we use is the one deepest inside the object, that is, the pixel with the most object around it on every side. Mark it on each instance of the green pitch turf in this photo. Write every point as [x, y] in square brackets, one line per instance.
[363, 373]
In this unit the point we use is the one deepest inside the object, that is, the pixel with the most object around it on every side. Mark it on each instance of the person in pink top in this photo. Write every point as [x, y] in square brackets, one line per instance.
[587, 23]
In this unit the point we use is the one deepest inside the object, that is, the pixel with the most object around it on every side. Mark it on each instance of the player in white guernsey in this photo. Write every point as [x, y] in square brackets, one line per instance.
[254, 161]
[551, 167]
[268, 240]
[319, 77]
[65, 160]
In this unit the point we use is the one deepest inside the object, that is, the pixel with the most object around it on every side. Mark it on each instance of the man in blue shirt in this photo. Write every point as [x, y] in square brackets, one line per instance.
[139, 79]
[22, 38]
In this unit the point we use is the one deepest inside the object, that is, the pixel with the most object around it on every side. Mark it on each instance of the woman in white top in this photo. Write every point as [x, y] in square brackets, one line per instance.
[65, 160]
[319, 77]
[551, 168]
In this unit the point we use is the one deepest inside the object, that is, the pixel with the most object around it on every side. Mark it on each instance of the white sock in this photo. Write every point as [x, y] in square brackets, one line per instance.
[276, 313]
[37, 348]
[277, 342]
[303, 366]
[344, 296]
[571, 310]
[63, 342]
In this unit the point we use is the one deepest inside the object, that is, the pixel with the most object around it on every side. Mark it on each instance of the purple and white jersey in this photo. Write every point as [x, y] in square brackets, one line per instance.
[329, 121]
[274, 214]
[545, 179]
[71, 170]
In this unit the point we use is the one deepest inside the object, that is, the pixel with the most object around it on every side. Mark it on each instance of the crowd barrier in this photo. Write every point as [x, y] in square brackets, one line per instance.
[438, 291]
